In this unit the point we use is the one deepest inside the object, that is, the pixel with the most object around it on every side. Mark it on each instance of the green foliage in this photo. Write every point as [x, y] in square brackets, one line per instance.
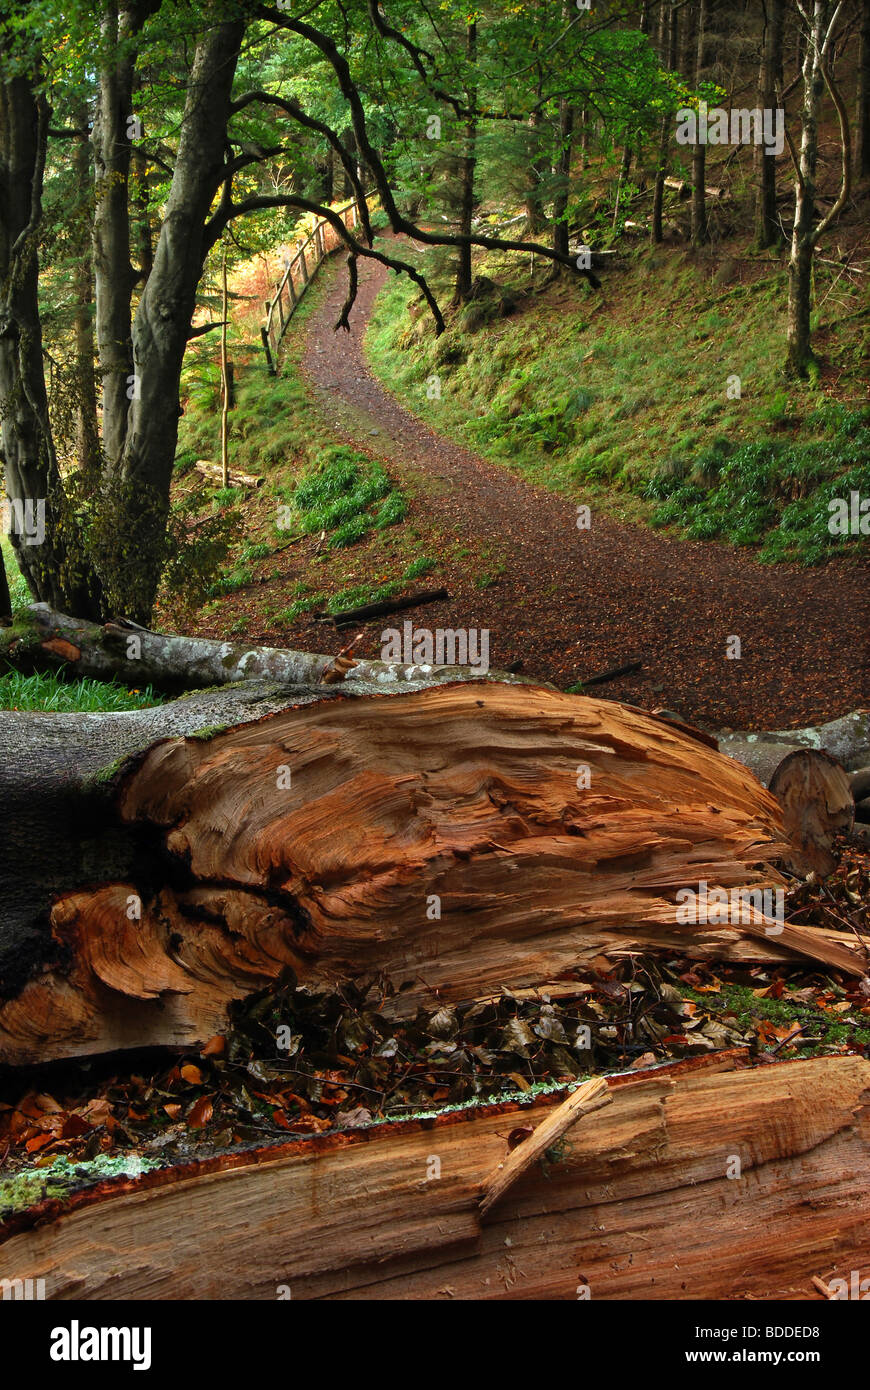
[422, 565]
[339, 494]
[770, 493]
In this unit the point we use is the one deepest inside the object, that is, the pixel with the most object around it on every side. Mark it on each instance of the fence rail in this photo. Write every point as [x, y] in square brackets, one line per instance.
[298, 274]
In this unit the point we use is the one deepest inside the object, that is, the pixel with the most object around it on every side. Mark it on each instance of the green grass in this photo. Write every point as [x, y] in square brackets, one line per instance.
[422, 565]
[570, 393]
[50, 692]
[18, 591]
[345, 495]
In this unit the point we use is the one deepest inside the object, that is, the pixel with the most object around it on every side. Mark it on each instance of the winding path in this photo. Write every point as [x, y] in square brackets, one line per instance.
[572, 603]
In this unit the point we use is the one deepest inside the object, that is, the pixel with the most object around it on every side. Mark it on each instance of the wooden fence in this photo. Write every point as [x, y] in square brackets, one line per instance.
[297, 276]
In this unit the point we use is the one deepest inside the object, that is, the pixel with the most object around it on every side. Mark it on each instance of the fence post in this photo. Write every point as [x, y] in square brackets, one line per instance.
[304, 266]
[267, 350]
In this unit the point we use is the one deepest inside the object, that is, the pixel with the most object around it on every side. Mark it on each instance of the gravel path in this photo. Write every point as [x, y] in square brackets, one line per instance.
[572, 603]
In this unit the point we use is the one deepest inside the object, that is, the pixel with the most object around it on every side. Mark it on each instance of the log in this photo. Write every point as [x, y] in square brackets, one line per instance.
[377, 610]
[455, 839]
[703, 1179]
[806, 769]
[814, 793]
[613, 673]
[236, 479]
[42, 639]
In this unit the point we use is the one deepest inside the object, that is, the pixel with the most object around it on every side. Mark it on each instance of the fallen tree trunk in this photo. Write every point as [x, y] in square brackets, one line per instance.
[807, 771]
[215, 472]
[663, 1194]
[366, 611]
[42, 639]
[455, 839]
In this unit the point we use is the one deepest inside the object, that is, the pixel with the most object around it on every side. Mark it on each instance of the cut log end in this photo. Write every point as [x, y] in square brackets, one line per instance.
[817, 804]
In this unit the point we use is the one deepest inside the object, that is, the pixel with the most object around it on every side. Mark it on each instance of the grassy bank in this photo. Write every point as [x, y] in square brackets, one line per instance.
[661, 397]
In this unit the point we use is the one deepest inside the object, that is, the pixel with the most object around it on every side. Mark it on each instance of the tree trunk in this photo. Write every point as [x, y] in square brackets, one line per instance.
[138, 503]
[44, 533]
[800, 269]
[467, 166]
[862, 119]
[114, 276]
[768, 231]
[667, 52]
[43, 640]
[87, 430]
[700, 231]
[660, 1194]
[454, 839]
[537, 168]
[562, 174]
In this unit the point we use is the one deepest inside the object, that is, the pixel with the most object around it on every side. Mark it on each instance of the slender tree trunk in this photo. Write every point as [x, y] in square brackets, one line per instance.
[563, 179]
[468, 164]
[329, 176]
[862, 121]
[44, 532]
[667, 51]
[584, 137]
[537, 168]
[87, 430]
[225, 377]
[768, 231]
[700, 229]
[800, 268]
[114, 276]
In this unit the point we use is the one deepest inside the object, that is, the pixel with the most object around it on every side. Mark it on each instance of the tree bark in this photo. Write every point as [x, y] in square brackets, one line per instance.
[143, 471]
[453, 839]
[44, 532]
[87, 430]
[467, 166]
[114, 276]
[700, 230]
[562, 173]
[800, 269]
[768, 231]
[862, 119]
[667, 52]
[663, 1192]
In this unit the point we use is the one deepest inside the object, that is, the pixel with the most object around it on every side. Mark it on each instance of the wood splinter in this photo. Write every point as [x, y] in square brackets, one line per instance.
[589, 1096]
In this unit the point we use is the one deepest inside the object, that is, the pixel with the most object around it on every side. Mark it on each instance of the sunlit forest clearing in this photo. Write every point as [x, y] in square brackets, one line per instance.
[434, 649]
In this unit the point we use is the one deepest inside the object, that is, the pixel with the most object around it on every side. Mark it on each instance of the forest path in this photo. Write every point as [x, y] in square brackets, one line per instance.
[571, 603]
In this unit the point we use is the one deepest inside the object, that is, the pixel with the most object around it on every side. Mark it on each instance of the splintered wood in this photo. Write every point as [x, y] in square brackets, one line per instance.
[456, 839]
[698, 1181]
